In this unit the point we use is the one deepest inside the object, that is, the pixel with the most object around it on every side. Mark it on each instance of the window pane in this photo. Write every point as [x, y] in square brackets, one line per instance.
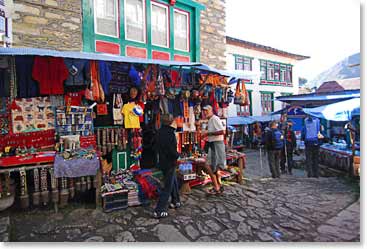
[159, 26]
[181, 31]
[135, 20]
[106, 17]
[263, 73]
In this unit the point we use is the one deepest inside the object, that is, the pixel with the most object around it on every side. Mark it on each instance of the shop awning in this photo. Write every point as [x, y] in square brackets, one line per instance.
[340, 111]
[317, 99]
[234, 74]
[251, 119]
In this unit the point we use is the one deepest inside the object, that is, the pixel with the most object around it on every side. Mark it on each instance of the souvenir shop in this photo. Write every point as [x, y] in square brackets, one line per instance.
[75, 123]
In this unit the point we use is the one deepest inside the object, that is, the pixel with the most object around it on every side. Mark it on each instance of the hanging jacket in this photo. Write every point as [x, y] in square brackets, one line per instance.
[27, 87]
[79, 73]
[50, 72]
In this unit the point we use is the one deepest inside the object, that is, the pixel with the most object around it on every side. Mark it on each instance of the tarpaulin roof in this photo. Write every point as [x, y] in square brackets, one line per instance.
[109, 57]
[251, 119]
[233, 74]
[340, 111]
[317, 99]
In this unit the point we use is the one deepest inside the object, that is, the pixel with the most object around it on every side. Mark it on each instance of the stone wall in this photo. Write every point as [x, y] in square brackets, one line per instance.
[52, 24]
[213, 33]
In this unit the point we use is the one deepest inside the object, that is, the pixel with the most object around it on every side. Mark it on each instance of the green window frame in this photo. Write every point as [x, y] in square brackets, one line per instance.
[267, 102]
[242, 62]
[192, 8]
[276, 72]
[245, 110]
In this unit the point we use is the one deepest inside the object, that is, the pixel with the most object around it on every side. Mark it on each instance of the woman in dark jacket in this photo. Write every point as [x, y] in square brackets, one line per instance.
[166, 145]
[290, 145]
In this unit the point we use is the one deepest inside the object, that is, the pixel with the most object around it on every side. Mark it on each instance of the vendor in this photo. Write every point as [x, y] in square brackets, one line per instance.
[350, 132]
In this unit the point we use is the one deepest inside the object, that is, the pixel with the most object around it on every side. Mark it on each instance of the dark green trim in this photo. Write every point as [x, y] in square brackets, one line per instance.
[250, 98]
[285, 94]
[267, 92]
[196, 17]
[194, 4]
[88, 26]
[122, 40]
[244, 56]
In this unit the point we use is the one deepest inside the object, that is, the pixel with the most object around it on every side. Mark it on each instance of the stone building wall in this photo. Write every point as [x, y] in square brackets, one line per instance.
[52, 24]
[213, 33]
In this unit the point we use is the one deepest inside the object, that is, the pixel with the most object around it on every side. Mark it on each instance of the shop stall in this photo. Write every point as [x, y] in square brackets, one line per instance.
[343, 151]
[75, 123]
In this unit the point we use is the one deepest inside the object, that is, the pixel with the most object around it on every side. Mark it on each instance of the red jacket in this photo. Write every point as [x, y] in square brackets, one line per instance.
[50, 72]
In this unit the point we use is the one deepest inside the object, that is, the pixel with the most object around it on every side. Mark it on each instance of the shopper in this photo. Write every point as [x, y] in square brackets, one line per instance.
[289, 146]
[216, 158]
[273, 145]
[311, 135]
[167, 161]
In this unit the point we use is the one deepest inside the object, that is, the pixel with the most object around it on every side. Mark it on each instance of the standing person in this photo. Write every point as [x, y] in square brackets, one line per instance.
[273, 145]
[311, 135]
[167, 160]
[289, 145]
[217, 154]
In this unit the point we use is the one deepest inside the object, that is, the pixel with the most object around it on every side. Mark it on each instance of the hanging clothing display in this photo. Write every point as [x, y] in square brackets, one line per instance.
[79, 73]
[105, 75]
[131, 120]
[27, 87]
[50, 72]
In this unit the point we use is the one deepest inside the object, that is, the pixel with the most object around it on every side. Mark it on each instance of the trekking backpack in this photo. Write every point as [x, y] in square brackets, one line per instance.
[277, 141]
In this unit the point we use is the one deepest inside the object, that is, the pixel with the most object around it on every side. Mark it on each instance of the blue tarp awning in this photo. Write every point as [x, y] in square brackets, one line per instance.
[340, 111]
[251, 119]
[248, 75]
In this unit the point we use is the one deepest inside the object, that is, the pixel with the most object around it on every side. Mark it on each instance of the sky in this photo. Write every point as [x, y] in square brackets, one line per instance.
[326, 30]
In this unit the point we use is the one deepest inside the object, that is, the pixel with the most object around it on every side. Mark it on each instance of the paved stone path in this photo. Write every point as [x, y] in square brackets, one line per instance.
[292, 208]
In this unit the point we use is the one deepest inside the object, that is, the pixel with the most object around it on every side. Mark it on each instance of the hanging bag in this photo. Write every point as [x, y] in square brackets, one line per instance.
[240, 97]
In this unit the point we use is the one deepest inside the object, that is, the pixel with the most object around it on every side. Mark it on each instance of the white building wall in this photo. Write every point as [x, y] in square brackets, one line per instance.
[256, 88]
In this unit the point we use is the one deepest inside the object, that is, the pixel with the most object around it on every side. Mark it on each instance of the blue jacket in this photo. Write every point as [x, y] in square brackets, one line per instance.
[79, 72]
[310, 131]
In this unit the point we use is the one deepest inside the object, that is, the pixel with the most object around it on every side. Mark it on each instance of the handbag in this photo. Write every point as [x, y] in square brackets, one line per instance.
[240, 96]
[102, 109]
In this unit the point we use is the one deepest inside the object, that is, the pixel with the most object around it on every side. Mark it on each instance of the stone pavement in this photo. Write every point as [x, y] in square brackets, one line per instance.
[292, 208]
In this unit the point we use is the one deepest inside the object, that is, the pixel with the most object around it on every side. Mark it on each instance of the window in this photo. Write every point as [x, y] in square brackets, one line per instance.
[283, 70]
[181, 30]
[243, 63]
[267, 102]
[284, 105]
[159, 25]
[270, 71]
[135, 20]
[263, 69]
[276, 72]
[288, 77]
[106, 17]
[273, 71]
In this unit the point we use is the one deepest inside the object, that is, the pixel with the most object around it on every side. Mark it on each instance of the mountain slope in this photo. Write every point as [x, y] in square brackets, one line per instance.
[342, 70]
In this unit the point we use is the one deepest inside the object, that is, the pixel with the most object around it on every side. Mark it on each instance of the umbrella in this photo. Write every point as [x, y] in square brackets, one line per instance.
[340, 111]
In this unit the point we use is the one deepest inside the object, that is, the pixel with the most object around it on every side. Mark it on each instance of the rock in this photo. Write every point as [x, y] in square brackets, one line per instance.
[192, 232]
[73, 233]
[206, 239]
[244, 229]
[120, 220]
[45, 228]
[31, 235]
[5, 221]
[242, 213]
[229, 235]
[204, 229]
[283, 212]
[141, 221]
[79, 213]
[183, 220]
[213, 225]
[128, 216]
[168, 233]
[264, 236]
[220, 209]
[289, 225]
[254, 224]
[4, 237]
[95, 239]
[109, 230]
[99, 216]
[250, 194]
[236, 217]
[3, 228]
[124, 237]
[255, 203]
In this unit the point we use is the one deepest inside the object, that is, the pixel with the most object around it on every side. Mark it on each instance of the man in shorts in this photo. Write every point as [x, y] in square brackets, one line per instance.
[216, 158]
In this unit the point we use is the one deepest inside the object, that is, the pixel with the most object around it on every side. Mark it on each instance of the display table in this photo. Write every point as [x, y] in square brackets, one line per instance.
[335, 157]
[233, 157]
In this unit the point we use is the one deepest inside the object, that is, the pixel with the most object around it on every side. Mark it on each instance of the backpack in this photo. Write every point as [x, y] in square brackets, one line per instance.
[277, 141]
